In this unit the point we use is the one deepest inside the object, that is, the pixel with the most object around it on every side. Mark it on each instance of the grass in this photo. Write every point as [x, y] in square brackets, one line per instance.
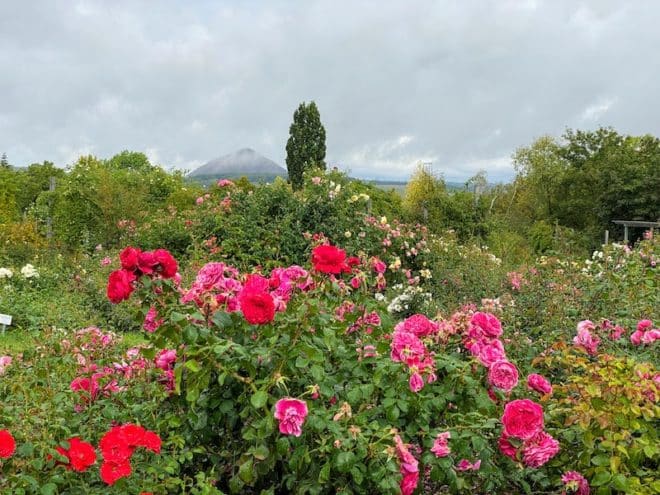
[18, 341]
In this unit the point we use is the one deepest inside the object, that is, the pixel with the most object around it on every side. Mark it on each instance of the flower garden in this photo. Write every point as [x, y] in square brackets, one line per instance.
[381, 359]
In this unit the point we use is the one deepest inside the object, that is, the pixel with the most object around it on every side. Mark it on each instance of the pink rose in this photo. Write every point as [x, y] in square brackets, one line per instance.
[465, 465]
[503, 375]
[651, 336]
[576, 482]
[416, 382]
[539, 450]
[522, 418]
[291, 414]
[636, 337]
[506, 447]
[490, 353]
[440, 447]
[487, 324]
[408, 467]
[539, 383]
[644, 325]
[420, 325]
[585, 339]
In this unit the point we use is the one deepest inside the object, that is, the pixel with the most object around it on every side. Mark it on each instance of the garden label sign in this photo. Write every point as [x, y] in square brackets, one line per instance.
[5, 320]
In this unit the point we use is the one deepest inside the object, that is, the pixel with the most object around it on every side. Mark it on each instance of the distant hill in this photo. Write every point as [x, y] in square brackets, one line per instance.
[244, 162]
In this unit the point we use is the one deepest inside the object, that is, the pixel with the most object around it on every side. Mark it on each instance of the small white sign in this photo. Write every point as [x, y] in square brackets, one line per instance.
[5, 319]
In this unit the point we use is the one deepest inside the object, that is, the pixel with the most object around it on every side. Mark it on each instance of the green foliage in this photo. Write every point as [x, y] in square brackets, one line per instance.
[305, 148]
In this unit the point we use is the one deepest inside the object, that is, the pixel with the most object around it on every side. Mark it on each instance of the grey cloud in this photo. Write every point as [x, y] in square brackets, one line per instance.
[463, 83]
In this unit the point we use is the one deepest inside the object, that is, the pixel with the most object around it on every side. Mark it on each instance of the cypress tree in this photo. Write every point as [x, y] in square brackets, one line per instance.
[305, 148]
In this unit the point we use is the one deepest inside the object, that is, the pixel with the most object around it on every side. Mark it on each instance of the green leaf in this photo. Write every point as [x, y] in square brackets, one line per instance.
[48, 489]
[261, 452]
[601, 478]
[324, 474]
[620, 482]
[259, 399]
[601, 460]
[345, 461]
[193, 366]
[245, 472]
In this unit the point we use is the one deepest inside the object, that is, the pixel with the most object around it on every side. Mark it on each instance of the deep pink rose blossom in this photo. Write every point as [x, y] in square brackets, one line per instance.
[539, 383]
[503, 375]
[522, 418]
[291, 414]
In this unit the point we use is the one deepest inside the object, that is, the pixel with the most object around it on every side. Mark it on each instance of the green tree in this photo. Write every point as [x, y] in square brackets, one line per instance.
[305, 148]
[4, 163]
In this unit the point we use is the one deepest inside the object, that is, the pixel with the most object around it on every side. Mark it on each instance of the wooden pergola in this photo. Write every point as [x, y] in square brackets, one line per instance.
[635, 223]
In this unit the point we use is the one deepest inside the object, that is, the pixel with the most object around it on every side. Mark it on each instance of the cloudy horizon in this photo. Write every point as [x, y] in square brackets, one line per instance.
[457, 84]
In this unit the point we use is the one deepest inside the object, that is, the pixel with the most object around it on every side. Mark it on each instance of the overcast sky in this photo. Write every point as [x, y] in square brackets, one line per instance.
[460, 84]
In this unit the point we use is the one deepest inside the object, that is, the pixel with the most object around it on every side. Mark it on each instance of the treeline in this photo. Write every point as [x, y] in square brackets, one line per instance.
[564, 196]
[92, 201]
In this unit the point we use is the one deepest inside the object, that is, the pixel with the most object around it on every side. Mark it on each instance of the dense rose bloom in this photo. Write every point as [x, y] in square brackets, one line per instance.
[168, 265]
[114, 446]
[258, 307]
[487, 324]
[489, 353]
[522, 418]
[329, 259]
[81, 454]
[225, 183]
[291, 414]
[539, 450]
[419, 325]
[506, 447]
[416, 382]
[129, 258]
[503, 375]
[575, 482]
[539, 383]
[111, 472]
[405, 345]
[120, 285]
[7, 444]
[440, 447]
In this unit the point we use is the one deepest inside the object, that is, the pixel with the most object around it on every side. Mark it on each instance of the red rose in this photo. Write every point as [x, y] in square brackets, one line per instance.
[120, 285]
[81, 454]
[329, 259]
[146, 262]
[129, 258]
[503, 375]
[258, 307]
[151, 441]
[522, 418]
[7, 444]
[111, 471]
[168, 266]
[114, 446]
